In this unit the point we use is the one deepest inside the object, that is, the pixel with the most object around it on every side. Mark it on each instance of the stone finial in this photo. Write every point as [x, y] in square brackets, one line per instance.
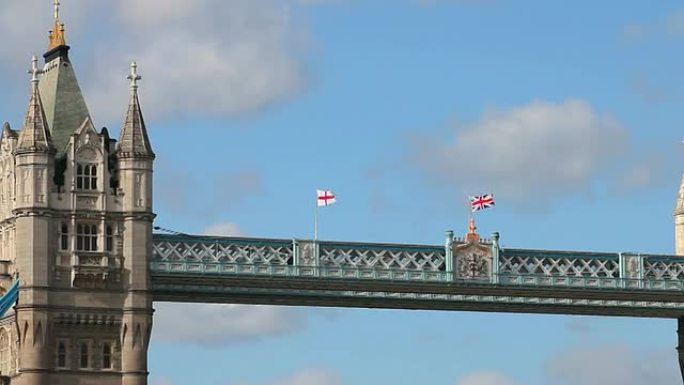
[133, 76]
[35, 71]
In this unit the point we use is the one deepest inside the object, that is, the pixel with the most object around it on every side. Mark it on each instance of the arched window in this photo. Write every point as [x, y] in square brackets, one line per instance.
[106, 355]
[86, 176]
[84, 362]
[64, 237]
[109, 238]
[86, 237]
[61, 355]
[4, 353]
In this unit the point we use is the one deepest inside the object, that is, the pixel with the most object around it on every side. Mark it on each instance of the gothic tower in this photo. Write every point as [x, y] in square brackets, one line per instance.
[76, 232]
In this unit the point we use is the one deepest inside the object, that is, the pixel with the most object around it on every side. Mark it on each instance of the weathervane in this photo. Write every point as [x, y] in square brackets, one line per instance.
[134, 77]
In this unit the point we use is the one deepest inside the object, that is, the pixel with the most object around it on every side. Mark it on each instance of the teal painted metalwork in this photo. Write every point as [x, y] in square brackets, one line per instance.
[9, 298]
[235, 256]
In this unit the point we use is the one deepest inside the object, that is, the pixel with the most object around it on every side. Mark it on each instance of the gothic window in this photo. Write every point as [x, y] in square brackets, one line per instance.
[84, 361]
[61, 354]
[86, 176]
[86, 237]
[106, 355]
[64, 237]
[4, 353]
[109, 238]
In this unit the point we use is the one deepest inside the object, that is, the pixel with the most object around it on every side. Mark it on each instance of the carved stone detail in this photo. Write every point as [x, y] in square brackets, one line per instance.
[86, 202]
[631, 267]
[307, 254]
[472, 260]
[474, 266]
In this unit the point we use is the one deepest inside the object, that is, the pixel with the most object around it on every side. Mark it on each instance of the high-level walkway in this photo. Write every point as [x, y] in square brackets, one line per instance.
[464, 274]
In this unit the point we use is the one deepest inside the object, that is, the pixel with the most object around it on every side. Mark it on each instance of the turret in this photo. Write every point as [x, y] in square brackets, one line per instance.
[34, 166]
[135, 160]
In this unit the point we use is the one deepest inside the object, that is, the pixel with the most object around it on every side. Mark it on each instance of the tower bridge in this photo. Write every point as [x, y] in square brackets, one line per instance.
[81, 268]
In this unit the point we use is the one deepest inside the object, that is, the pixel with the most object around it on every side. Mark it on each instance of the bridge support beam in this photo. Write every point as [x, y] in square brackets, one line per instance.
[680, 346]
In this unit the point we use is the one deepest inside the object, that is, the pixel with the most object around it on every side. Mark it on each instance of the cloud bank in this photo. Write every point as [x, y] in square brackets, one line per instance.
[528, 153]
[196, 56]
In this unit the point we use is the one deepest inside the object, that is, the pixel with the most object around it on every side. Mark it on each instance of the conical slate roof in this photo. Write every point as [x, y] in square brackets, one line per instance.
[34, 135]
[65, 108]
[134, 141]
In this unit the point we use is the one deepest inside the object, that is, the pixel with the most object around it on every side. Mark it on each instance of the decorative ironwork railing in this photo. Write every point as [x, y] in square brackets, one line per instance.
[222, 250]
[664, 268]
[559, 263]
[379, 256]
[181, 254]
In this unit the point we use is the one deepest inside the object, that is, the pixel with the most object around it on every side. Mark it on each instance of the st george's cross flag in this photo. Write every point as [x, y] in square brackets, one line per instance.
[480, 202]
[325, 197]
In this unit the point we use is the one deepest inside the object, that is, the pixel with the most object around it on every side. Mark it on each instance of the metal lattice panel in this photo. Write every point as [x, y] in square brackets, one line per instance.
[664, 268]
[222, 251]
[423, 258]
[547, 263]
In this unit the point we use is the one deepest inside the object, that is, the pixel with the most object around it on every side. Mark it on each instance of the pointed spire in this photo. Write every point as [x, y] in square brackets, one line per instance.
[57, 38]
[34, 136]
[134, 141]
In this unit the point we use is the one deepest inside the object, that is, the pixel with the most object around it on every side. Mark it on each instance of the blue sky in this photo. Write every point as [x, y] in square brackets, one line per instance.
[569, 112]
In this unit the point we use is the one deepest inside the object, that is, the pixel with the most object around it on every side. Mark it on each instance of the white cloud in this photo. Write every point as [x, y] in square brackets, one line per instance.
[218, 324]
[614, 364]
[196, 56]
[227, 229]
[530, 153]
[486, 378]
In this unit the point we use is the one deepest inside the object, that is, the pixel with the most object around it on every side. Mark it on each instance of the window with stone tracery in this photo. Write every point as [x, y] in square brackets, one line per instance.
[4, 353]
[86, 237]
[107, 355]
[84, 356]
[109, 238]
[62, 354]
[86, 176]
[64, 237]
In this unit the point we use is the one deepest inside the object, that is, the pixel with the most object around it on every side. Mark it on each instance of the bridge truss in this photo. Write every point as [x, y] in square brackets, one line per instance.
[464, 274]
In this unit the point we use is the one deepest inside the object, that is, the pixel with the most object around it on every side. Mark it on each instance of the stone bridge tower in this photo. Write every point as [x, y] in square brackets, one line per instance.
[76, 231]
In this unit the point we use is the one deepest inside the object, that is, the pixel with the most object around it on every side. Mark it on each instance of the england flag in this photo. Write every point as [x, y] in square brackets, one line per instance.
[325, 197]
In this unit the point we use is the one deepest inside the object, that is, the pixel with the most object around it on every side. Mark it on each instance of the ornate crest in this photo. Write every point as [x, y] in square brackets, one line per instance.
[474, 265]
[472, 258]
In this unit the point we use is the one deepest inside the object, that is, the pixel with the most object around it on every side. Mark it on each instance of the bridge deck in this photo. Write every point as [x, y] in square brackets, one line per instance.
[299, 272]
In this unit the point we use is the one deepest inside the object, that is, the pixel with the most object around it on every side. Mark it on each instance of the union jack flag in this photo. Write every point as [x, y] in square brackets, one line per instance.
[480, 202]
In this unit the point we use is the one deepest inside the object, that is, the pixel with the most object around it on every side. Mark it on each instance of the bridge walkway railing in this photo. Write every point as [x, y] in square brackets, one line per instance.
[229, 256]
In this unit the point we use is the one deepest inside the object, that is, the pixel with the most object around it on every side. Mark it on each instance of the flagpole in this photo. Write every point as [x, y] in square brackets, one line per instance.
[316, 220]
[469, 210]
